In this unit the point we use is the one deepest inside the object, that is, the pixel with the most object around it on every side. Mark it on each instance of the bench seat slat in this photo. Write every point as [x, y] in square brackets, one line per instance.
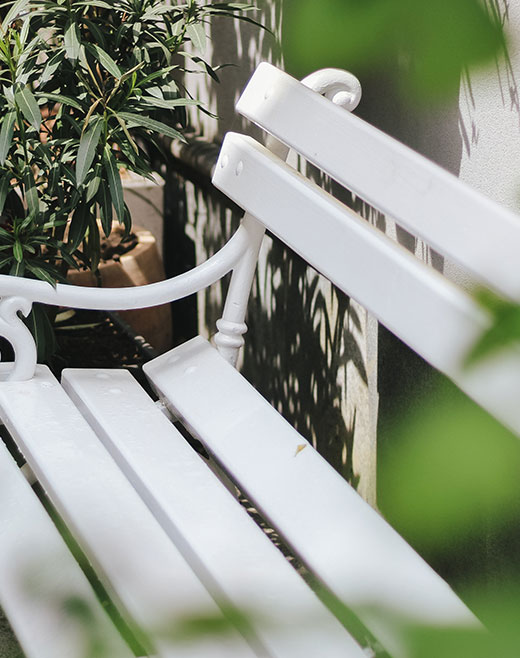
[429, 313]
[452, 217]
[232, 556]
[341, 538]
[135, 559]
[38, 575]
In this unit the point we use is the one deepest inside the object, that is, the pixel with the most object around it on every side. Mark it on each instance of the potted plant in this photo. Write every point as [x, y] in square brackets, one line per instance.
[89, 87]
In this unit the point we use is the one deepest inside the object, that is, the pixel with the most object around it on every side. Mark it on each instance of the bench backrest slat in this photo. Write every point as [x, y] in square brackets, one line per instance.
[431, 314]
[450, 216]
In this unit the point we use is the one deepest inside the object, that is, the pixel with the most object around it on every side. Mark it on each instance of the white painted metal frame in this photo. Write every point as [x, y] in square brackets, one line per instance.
[239, 255]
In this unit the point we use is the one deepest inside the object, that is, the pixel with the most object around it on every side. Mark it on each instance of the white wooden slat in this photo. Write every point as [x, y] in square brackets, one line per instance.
[135, 559]
[228, 550]
[38, 575]
[433, 316]
[339, 536]
[455, 219]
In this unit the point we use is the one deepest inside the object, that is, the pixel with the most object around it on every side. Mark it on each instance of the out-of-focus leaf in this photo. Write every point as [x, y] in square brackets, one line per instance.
[424, 43]
[504, 330]
[451, 468]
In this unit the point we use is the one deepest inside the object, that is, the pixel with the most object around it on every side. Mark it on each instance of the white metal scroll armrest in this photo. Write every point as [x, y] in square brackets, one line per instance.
[239, 255]
[18, 295]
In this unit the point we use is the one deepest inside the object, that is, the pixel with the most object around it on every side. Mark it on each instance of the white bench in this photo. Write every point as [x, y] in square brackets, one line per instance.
[167, 540]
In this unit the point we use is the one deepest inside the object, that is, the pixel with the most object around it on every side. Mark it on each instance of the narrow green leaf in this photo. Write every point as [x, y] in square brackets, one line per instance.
[18, 251]
[5, 236]
[97, 34]
[94, 244]
[78, 227]
[127, 133]
[114, 182]
[94, 182]
[41, 274]
[17, 8]
[6, 135]
[105, 60]
[30, 192]
[96, 3]
[105, 210]
[5, 186]
[51, 67]
[169, 104]
[71, 41]
[87, 150]
[151, 124]
[29, 107]
[41, 328]
[197, 35]
[242, 6]
[65, 256]
[17, 269]
[59, 98]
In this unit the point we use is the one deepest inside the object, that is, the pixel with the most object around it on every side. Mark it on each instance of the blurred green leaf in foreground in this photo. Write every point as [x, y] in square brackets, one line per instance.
[428, 42]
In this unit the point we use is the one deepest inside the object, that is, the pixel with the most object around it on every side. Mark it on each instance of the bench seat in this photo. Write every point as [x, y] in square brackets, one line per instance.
[40, 577]
[231, 555]
[139, 566]
[345, 543]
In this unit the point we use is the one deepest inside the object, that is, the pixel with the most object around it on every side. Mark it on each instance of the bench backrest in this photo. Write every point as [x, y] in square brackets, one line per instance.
[432, 315]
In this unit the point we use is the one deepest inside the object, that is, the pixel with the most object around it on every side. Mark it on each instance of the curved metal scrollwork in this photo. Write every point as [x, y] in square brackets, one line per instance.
[341, 87]
[18, 295]
[16, 332]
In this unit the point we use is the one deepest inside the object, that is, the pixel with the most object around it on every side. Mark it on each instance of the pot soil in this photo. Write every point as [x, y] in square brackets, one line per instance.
[132, 261]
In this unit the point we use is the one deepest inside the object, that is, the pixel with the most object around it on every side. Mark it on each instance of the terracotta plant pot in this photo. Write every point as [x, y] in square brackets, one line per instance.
[139, 266]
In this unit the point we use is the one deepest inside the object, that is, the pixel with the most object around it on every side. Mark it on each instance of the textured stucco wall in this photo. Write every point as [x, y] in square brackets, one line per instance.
[490, 121]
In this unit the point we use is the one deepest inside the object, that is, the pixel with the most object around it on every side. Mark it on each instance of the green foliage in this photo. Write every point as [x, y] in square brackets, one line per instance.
[425, 43]
[451, 467]
[504, 330]
[89, 87]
